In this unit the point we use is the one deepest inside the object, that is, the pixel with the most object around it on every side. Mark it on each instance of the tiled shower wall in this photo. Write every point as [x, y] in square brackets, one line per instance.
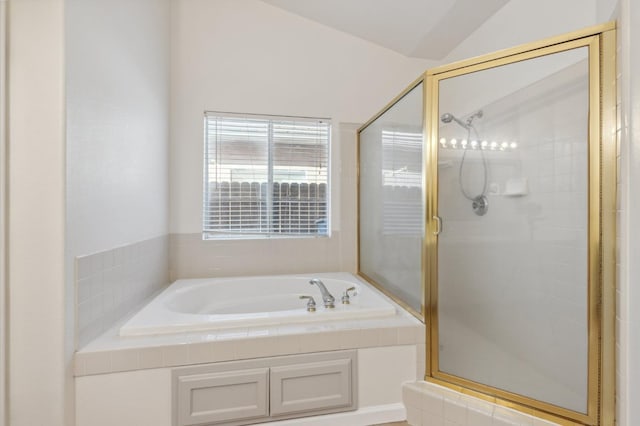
[111, 283]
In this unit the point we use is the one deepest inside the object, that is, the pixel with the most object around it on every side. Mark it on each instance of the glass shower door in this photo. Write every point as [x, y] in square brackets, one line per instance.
[513, 198]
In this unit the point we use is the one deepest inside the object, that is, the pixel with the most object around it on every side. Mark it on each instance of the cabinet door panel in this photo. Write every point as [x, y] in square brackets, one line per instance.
[221, 397]
[311, 387]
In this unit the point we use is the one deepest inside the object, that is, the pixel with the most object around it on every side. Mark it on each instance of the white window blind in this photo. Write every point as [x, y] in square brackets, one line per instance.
[265, 175]
[402, 182]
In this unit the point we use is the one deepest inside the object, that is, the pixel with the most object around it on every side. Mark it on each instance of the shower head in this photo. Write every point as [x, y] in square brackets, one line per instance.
[447, 117]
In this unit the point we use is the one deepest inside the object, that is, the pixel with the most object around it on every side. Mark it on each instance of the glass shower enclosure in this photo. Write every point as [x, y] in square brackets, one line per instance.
[391, 199]
[487, 209]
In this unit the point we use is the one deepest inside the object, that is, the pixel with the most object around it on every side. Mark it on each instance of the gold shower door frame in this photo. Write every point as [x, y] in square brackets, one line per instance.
[419, 314]
[601, 44]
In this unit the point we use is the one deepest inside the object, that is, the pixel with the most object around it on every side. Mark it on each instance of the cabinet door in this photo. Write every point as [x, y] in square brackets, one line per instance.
[205, 399]
[316, 387]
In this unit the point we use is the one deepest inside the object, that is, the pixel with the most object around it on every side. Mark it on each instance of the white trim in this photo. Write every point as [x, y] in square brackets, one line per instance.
[362, 417]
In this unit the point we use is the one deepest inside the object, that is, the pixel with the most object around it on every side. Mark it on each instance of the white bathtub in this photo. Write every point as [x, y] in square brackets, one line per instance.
[219, 303]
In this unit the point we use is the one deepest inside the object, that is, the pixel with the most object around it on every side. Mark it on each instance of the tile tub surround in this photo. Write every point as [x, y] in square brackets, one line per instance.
[111, 283]
[429, 404]
[112, 353]
[193, 257]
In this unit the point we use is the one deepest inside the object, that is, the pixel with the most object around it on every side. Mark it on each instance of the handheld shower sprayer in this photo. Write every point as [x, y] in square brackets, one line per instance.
[480, 203]
[447, 117]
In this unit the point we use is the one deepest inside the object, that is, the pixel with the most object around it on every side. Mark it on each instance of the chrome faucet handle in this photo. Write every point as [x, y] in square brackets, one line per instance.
[327, 298]
[311, 304]
[345, 295]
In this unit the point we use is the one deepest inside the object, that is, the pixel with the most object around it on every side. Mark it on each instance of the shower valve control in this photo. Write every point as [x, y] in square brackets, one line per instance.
[480, 205]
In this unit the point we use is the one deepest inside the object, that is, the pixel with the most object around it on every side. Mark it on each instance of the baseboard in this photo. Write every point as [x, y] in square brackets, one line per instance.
[365, 416]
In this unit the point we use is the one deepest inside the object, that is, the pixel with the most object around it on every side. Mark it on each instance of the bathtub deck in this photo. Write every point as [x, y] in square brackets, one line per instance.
[112, 353]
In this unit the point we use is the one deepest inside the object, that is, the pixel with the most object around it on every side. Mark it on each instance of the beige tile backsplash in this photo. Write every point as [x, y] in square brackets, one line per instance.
[191, 257]
[111, 283]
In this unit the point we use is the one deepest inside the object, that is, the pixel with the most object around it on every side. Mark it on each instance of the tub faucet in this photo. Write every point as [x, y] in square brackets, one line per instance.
[327, 298]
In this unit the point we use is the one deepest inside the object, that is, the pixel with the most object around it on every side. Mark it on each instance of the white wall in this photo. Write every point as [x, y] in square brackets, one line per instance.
[248, 56]
[117, 99]
[117, 74]
[117, 143]
[524, 21]
[37, 375]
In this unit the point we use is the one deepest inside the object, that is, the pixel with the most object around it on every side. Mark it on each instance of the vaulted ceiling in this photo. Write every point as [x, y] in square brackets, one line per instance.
[427, 29]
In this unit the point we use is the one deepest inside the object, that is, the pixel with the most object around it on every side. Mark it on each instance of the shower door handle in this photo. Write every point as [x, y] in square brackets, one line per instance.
[438, 225]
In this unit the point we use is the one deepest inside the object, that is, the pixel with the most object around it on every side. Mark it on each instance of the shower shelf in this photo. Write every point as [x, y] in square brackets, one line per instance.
[516, 187]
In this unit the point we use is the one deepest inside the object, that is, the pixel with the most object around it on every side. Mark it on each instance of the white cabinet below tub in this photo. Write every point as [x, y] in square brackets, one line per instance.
[219, 398]
[253, 391]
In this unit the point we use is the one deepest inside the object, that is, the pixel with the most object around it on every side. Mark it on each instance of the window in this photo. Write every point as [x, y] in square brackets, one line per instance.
[265, 175]
[402, 212]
